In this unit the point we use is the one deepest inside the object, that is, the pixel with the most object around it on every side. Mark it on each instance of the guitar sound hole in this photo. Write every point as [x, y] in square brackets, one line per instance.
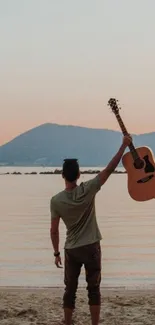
[138, 163]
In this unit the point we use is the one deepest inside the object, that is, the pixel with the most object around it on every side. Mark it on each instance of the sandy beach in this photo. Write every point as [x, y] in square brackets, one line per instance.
[25, 306]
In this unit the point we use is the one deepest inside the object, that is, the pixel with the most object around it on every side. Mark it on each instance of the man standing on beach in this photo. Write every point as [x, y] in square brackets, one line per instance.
[75, 205]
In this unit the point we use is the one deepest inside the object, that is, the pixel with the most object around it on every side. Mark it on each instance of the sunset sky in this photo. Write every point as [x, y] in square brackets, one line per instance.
[61, 60]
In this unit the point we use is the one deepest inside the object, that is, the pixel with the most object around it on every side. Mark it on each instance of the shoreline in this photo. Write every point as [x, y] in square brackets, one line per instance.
[81, 288]
[104, 290]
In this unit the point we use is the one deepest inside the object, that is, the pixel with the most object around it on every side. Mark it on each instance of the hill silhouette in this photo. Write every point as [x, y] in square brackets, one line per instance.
[48, 144]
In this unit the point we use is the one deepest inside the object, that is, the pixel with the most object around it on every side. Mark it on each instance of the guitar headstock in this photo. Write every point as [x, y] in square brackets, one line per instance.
[113, 105]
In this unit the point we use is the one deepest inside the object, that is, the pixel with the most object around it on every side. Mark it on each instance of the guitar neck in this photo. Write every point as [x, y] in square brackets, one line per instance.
[125, 132]
[121, 124]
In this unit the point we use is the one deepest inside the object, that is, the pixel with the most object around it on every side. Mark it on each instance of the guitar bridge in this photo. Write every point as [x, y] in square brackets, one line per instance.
[145, 179]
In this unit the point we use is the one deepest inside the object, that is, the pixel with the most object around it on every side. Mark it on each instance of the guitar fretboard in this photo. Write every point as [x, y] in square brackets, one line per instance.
[125, 132]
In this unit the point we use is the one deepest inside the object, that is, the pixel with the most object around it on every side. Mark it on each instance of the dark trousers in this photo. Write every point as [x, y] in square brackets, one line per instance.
[90, 257]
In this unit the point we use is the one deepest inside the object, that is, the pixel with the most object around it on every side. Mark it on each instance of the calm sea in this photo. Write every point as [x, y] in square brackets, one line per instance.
[26, 256]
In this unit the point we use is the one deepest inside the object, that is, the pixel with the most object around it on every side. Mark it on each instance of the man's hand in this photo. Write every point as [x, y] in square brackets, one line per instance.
[58, 262]
[127, 140]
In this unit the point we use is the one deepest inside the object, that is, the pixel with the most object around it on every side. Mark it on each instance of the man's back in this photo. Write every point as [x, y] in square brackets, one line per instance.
[76, 208]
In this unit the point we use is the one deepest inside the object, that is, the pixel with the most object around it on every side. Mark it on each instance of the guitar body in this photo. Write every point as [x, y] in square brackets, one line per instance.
[141, 182]
[139, 164]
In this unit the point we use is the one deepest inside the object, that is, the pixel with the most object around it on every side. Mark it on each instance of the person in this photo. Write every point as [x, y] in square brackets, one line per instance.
[75, 205]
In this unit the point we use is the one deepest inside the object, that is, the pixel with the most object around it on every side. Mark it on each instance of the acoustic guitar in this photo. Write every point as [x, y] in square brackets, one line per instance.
[139, 164]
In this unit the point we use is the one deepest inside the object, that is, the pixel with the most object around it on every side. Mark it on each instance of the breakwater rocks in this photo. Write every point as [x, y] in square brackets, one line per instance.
[58, 172]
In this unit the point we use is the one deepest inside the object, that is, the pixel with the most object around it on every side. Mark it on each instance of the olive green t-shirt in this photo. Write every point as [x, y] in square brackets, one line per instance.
[76, 208]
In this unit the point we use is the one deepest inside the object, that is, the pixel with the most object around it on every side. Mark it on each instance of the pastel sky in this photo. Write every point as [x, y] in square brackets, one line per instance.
[61, 60]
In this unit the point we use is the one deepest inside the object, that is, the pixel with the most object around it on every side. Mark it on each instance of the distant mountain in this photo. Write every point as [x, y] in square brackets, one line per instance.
[49, 144]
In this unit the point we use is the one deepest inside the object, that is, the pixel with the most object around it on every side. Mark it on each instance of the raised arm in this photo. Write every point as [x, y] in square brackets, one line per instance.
[105, 173]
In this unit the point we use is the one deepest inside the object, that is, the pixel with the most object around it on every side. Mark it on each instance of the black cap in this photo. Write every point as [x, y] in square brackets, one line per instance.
[70, 160]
